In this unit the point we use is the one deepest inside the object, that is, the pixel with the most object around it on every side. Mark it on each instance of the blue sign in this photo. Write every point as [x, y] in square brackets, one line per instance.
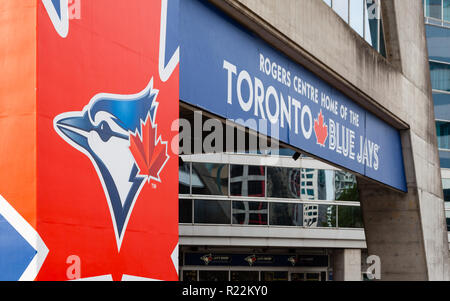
[210, 259]
[229, 71]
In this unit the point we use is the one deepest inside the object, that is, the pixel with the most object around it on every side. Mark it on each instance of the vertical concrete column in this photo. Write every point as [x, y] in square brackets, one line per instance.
[347, 265]
[393, 231]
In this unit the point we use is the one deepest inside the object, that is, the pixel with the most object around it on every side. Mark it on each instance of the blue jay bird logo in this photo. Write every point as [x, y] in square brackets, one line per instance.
[118, 134]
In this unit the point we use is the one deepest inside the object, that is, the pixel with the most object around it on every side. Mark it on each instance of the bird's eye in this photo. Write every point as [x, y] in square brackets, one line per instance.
[104, 131]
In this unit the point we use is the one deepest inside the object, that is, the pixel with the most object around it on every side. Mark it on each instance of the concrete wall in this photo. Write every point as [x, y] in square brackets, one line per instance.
[347, 265]
[408, 230]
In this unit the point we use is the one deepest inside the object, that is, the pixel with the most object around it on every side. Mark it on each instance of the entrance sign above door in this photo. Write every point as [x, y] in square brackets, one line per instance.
[230, 72]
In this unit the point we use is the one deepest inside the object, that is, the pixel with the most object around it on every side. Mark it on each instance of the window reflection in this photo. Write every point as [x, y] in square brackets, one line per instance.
[312, 276]
[346, 187]
[356, 20]
[286, 214]
[373, 24]
[274, 276]
[212, 212]
[444, 158]
[247, 180]
[441, 104]
[189, 276]
[279, 182]
[443, 134]
[440, 76]
[433, 8]
[317, 184]
[244, 276]
[446, 188]
[250, 213]
[185, 211]
[446, 8]
[209, 179]
[341, 8]
[283, 182]
[184, 175]
[364, 16]
[213, 276]
[322, 216]
[298, 277]
[447, 217]
[438, 42]
[349, 217]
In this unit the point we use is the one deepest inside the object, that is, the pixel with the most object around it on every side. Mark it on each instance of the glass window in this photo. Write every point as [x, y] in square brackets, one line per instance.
[212, 212]
[433, 8]
[184, 176]
[250, 213]
[209, 179]
[349, 217]
[298, 277]
[357, 16]
[444, 158]
[213, 276]
[312, 276]
[286, 214]
[346, 187]
[341, 8]
[281, 151]
[189, 276]
[443, 134]
[446, 187]
[367, 32]
[283, 182]
[440, 76]
[382, 48]
[185, 211]
[322, 216]
[274, 276]
[246, 180]
[317, 184]
[373, 23]
[364, 16]
[244, 276]
[447, 217]
[447, 10]
[438, 42]
[441, 106]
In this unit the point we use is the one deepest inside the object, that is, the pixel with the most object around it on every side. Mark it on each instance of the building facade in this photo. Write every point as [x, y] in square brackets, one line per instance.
[241, 205]
[437, 24]
[301, 136]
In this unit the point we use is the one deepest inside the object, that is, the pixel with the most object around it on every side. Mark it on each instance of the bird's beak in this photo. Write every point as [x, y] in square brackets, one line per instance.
[76, 128]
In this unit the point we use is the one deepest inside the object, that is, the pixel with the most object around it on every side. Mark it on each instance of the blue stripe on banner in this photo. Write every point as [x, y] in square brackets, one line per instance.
[15, 252]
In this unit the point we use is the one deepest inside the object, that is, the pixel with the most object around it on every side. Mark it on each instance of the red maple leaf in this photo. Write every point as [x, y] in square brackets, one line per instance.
[149, 152]
[320, 129]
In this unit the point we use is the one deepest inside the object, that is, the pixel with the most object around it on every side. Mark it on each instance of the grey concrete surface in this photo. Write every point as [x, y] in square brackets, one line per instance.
[407, 231]
[347, 265]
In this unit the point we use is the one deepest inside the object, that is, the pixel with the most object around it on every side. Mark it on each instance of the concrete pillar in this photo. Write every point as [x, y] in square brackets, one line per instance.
[347, 265]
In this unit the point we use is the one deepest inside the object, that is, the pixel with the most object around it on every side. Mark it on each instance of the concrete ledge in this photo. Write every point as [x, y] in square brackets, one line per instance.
[271, 236]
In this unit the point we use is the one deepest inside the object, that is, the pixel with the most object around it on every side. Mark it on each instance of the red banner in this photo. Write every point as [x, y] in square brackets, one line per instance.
[107, 176]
